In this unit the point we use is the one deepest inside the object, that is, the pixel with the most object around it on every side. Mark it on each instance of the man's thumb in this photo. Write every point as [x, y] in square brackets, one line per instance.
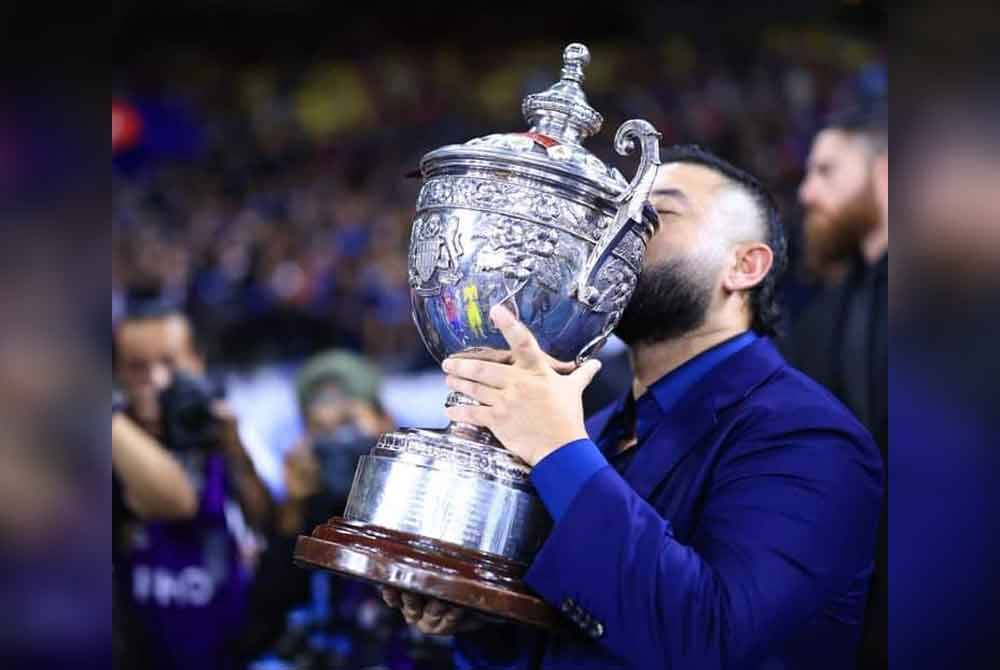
[586, 372]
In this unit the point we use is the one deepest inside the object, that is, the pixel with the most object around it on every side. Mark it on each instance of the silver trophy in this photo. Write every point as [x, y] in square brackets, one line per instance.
[534, 221]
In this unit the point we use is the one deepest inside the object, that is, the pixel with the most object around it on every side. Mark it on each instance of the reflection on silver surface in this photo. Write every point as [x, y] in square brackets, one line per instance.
[534, 221]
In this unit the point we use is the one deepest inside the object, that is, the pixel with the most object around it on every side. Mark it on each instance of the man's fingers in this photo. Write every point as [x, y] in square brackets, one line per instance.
[452, 616]
[391, 598]
[429, 615]
[484, 394]
[448, 622]
[435, 609]
[495, 375]
[562, 367]
[412, 601]
[522, 343]
[586, 372]
[477, 416]
[413, 607]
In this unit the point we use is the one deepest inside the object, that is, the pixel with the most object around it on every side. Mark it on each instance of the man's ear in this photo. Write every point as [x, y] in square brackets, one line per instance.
[751, 263]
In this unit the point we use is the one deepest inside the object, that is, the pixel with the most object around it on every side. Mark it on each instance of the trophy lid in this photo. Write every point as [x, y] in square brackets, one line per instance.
[560, 118]
[562, 111]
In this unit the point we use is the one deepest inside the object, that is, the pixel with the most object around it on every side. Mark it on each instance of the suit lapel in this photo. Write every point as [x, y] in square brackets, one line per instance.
[687, 423]
[606, 420]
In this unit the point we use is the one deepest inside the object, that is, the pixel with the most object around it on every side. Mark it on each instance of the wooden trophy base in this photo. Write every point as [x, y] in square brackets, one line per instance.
[488, 584]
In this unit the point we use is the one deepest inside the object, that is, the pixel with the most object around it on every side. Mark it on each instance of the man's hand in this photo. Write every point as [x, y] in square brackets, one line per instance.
[302, 472]
[430, 616]
[530, 407]
[253, 495]
[302, 480]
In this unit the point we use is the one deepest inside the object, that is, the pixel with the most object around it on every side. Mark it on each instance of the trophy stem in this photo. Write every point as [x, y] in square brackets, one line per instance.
[469, 431]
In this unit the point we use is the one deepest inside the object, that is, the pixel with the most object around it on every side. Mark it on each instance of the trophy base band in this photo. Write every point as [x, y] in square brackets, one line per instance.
[488, 584]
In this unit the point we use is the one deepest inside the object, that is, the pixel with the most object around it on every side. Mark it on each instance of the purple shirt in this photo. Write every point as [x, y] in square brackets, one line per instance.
[183, 580]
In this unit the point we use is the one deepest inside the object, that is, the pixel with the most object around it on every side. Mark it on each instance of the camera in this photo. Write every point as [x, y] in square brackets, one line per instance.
[186, 411]
[338, 453]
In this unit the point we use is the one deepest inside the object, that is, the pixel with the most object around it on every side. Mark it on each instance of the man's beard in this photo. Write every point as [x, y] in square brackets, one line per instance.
[831, 237]
[670, 299]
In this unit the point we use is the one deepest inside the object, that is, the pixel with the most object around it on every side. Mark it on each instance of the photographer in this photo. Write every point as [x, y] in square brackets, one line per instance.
[338, 400]
[185, 497]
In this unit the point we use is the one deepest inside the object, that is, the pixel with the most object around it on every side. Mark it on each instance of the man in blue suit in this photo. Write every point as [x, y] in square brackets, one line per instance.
[722, 514]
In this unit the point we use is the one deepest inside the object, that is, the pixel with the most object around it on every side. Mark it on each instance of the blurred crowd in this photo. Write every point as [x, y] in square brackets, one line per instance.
[273, 199]
[267, 206]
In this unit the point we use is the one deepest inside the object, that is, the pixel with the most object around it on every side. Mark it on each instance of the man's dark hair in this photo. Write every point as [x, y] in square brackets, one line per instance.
[766, 313]
[144, 302]
[870, 120]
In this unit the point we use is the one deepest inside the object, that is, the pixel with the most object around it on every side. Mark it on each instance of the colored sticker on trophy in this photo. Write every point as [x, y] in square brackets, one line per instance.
[472, 313]
[451, 312]
[543, 140]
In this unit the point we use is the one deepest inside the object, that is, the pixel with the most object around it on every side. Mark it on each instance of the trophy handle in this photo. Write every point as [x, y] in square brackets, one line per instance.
[594, 345]
[630, 202]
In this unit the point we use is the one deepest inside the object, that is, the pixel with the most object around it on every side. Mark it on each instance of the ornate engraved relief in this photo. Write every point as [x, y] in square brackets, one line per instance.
[632, 248]
[435, 250]
[615, 281]
[507, 142]
[471, 461]
[506, 198]
[518, 250]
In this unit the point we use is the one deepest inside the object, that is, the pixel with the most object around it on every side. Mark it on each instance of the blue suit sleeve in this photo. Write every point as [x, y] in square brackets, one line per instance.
[559, 476]
[788, 522]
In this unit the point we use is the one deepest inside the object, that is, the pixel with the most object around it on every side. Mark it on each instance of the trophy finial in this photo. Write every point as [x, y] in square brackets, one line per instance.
[562, 111]
[575, 57]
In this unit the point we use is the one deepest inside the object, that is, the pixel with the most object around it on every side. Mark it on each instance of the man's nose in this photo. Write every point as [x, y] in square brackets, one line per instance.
[806, 192]
[161, 376]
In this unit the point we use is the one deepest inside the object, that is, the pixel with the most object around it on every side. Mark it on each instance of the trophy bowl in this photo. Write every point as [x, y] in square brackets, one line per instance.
[536, 222]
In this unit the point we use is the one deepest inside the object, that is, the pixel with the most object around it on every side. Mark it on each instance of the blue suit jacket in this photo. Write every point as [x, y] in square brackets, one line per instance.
[740, 536]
